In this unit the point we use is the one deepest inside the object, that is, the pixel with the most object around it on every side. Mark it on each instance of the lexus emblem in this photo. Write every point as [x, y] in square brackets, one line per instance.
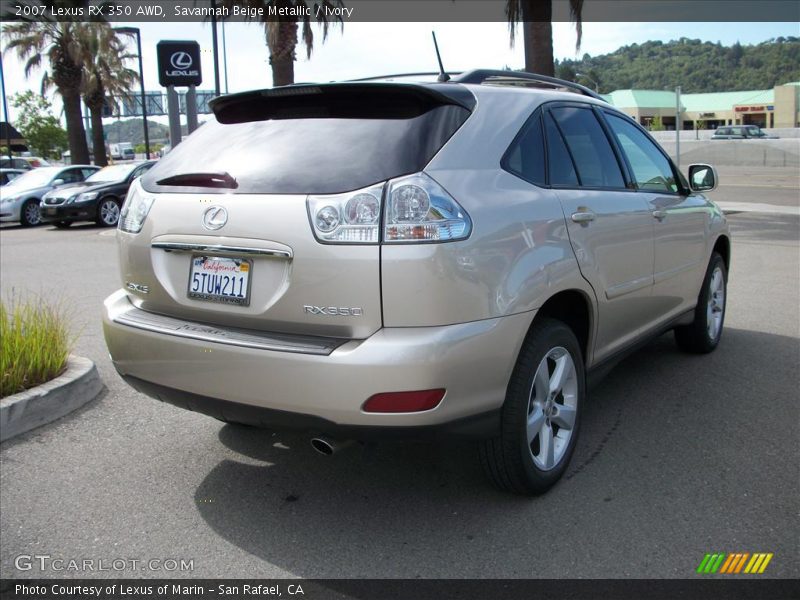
[181, 60]
[215, 217]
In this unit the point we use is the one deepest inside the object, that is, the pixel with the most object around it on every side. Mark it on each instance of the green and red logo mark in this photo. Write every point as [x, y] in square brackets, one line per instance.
[734, 563]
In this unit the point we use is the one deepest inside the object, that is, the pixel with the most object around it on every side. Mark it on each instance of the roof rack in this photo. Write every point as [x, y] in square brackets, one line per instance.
[505, 77]
[498, 77]
[393, 75]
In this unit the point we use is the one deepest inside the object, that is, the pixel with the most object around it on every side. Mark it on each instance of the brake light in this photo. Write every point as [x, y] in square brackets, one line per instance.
[347, 218]
[135, 209]
[417, 209]
[404, 402]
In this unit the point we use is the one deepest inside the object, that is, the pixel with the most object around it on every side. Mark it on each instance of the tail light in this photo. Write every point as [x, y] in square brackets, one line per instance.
[135, 209]
[415, 209]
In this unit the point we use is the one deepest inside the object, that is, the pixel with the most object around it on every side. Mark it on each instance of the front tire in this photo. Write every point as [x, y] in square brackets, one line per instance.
[541, 413]
[30, 215]
[108, 212]
[702, 335]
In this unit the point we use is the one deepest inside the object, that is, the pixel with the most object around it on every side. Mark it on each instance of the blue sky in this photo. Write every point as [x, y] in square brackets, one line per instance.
[365, 49]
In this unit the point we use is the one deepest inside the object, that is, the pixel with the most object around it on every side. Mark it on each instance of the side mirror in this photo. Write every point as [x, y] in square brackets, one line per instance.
[58, 182]
[702, 178]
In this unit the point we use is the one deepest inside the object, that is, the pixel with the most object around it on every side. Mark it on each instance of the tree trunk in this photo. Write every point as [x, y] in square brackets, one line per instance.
[78, 149]
[282, 50]
[282, 70]
[537, 29]
[98, 139]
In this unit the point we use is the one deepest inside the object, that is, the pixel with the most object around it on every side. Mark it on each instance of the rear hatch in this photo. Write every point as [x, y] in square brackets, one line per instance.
[228, 239]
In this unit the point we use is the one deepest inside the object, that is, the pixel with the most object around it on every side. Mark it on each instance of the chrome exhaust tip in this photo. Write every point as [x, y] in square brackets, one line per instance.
[328, 446]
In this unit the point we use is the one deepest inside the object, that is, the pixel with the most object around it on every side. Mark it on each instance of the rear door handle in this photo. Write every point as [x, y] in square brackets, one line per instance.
[583, 217]
[660, 214]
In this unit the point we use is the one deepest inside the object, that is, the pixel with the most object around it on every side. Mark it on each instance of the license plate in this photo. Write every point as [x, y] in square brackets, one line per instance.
[50, 212]
[218, 279]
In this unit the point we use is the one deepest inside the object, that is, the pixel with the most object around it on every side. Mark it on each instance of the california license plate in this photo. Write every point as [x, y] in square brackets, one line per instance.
[218, 279]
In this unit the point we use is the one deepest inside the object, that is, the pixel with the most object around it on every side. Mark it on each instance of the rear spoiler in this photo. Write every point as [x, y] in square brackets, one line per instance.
[339, 100]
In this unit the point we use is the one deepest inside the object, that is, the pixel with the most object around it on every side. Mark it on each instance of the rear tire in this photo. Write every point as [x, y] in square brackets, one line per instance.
[30, 214]
[702, 335]
[541, 414]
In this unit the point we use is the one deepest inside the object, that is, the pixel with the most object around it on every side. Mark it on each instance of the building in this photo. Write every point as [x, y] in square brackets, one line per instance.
[778, 107]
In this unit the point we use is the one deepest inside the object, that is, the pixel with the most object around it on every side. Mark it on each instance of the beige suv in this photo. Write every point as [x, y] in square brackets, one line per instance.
[368, 260]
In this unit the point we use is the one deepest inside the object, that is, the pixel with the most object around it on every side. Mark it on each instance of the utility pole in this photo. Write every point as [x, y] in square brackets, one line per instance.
[678, 126]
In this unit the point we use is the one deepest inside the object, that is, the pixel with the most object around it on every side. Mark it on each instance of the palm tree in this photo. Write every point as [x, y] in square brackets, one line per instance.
[105, 74]
[56, 42]
[536, 17]
[281, 31]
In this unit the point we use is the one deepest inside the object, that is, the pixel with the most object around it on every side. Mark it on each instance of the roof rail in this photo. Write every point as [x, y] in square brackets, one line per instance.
[426, 73]
[479, 76]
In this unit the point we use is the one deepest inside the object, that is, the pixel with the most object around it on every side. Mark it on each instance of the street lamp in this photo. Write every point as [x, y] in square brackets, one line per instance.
[596, 85]
[135, 31]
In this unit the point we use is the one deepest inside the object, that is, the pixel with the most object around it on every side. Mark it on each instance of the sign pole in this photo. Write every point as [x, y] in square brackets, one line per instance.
[191, 109]
[174, 111]
[678, 127]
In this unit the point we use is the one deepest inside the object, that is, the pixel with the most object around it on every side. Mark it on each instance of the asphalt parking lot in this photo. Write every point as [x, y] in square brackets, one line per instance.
[679, 455]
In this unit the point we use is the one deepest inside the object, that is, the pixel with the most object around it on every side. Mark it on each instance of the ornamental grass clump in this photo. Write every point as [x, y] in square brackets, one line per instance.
[34, 343]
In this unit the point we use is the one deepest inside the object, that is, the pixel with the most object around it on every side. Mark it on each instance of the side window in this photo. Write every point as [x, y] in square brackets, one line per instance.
[526, 155]
[140, 171]
[72, 176]
[651, 169]
[559, 162]
[594, 158]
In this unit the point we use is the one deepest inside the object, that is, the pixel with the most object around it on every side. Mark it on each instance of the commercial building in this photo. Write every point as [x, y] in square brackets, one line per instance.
[778, 107]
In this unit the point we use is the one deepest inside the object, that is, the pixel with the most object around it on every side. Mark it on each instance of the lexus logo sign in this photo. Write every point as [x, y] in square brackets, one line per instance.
[181, 60]
[179, 63]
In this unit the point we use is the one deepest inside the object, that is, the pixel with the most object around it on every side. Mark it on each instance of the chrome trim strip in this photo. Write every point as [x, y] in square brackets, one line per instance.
[185, 247]
[670, 273]
[628, 287]
[258, 340]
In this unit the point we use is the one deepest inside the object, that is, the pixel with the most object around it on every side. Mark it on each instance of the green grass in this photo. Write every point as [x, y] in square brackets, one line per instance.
[34, 343]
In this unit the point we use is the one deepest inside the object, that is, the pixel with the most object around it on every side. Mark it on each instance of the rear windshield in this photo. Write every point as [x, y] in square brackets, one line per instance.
[307, 155]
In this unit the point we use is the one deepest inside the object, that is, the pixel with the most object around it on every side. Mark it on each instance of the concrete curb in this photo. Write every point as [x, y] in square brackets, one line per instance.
[45, 403]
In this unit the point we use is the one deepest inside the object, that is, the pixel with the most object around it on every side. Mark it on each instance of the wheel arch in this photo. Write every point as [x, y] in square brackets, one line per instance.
[573, 308]
[722, 246]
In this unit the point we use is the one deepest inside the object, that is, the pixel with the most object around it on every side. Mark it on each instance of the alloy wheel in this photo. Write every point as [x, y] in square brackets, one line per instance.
[552, 408]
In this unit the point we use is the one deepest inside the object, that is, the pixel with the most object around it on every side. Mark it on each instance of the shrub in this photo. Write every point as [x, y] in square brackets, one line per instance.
[34, 343]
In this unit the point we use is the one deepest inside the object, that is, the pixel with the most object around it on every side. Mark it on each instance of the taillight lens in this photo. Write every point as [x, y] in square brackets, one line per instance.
[404, 402]
[348, 218]
[420, 210]
[417, 209]
[135, 209]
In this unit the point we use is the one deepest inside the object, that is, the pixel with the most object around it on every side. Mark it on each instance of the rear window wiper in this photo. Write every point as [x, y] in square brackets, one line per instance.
[212, 180]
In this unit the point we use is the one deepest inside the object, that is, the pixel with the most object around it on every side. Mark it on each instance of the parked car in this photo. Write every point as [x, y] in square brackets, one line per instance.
[122, 151]
[8, 175]
[742, 132]
[20, 199]
[461, 265]
[25, 163]
[99, 198]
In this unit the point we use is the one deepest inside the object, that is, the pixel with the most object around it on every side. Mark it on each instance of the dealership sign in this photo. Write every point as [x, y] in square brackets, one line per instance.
[179, 63]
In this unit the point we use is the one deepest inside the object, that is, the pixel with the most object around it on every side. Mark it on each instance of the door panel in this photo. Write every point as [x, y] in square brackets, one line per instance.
[615, 255]
[680, 251]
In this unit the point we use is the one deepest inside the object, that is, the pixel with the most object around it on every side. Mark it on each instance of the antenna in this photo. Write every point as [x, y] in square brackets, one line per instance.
[442, 75]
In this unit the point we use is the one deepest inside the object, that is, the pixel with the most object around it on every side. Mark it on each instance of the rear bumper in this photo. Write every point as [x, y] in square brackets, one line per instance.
[325, 392]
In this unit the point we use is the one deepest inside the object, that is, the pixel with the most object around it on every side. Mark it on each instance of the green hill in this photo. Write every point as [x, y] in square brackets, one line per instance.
[131, 130]
[694, 65]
